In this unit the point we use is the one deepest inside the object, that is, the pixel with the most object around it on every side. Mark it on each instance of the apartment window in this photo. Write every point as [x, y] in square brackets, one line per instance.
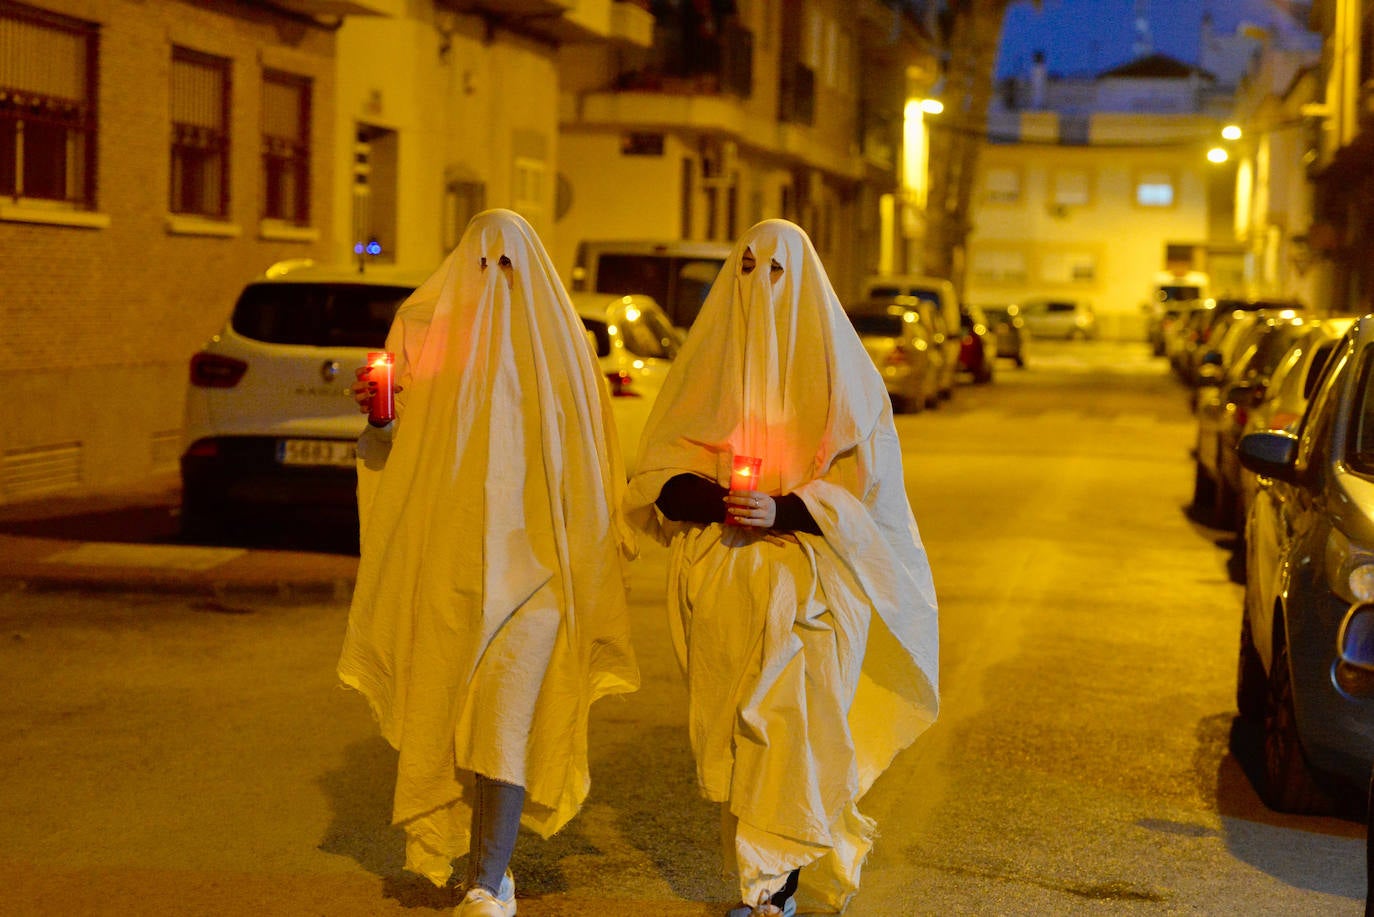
[1154, 189]
[529, 188]
[813, 27]
[48, 92]
[200, 134]
[1002, 185]
[286, 147]
[1071, 188]
[999, 266]
[463, 200]
[1068, 268]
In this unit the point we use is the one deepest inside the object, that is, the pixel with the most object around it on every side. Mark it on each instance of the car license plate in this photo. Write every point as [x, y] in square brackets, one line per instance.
[315, 452]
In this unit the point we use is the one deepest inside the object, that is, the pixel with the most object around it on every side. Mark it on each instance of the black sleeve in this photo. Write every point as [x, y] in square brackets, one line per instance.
[691, 498]
[793, 516]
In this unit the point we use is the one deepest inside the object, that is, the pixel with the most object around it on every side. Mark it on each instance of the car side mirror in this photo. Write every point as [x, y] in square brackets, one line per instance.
[1270, 453]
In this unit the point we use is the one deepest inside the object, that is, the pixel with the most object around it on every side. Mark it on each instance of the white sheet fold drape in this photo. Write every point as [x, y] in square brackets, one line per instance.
[489, 610]
[811, 661]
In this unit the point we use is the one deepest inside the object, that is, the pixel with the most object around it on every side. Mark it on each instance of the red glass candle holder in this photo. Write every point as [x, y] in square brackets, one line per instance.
[744, 475]
[382, 409]
[744, 472]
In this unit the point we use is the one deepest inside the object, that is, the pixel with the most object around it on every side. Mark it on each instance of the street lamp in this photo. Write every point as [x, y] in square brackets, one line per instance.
[1217, 155]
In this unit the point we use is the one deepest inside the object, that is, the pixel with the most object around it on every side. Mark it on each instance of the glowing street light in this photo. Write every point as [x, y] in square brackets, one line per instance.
[1230, 132]
[1218, 155]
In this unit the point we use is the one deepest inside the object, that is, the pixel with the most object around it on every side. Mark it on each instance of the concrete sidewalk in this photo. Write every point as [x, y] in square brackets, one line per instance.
[127, 539]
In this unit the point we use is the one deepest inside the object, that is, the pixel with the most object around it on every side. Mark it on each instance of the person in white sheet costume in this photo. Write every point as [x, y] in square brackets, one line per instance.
[489, 611]
[806, 625]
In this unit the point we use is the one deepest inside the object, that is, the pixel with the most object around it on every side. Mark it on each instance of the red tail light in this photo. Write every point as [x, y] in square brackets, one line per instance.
[622, 385]
[1284, 420]
[210, 370]
[203, 448]
[898, 356]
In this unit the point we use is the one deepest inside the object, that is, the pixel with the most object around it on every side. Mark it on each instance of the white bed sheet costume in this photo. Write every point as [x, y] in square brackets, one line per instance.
[810, 660]
[489, 611]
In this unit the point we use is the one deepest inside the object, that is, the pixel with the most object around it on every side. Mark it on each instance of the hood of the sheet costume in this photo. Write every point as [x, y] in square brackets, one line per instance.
[503, 480]
[773, 368]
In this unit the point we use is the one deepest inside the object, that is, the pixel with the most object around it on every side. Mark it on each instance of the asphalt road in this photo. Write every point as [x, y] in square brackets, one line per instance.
[187, 755]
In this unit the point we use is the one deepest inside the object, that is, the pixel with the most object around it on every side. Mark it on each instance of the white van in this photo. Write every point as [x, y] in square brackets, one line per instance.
[676, 274]
[932, 289]
[1180, 286]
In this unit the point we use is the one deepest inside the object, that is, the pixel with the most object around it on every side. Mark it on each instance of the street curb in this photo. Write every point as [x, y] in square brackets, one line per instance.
[339, 590]
[294, 577]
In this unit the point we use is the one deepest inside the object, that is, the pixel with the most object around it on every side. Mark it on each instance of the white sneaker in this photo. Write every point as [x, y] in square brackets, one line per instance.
[479, 902]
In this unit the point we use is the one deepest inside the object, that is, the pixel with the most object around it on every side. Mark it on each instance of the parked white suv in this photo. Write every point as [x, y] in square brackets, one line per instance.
[269, 423]
[635, 344]
[1051, 317]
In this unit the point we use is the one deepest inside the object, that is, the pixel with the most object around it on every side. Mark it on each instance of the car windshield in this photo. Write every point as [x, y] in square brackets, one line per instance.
[680, 285]
[318, 314]
[1176, 292]
[1269, 350]
[877, 325]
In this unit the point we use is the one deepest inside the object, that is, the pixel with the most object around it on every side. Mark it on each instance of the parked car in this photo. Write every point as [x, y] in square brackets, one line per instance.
[1214, 326]
[1181, 336]
[267, 420]
[1170, 296]
[1162, 321]
[1290, 388]
[635, 344]
[1310, 555]
[1010, 332]
[1249, 353]
[268, 423]
[977, 344]
[902, 346]
[675, 274]
[941, 314]
[1070, 319]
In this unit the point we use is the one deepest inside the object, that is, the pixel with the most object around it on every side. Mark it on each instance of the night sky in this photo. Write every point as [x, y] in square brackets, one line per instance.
[1088, 36]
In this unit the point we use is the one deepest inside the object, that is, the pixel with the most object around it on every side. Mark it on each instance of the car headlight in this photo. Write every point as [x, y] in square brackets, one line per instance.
[1349, 568]
[1361, 582]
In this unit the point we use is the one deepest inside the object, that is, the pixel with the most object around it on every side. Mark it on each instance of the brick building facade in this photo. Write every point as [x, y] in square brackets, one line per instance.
[197, 152]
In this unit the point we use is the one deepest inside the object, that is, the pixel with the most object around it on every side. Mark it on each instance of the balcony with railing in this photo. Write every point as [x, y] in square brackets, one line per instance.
[623, 22]
[693, 54]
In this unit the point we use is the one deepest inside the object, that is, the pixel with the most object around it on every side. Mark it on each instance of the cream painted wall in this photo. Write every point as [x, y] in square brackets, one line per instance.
[462, 106]
[1126, 241]
[616, 196]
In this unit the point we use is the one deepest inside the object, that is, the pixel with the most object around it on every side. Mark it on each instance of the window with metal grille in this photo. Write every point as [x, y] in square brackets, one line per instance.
[200, 134]
[48, 80]
[286, 147]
